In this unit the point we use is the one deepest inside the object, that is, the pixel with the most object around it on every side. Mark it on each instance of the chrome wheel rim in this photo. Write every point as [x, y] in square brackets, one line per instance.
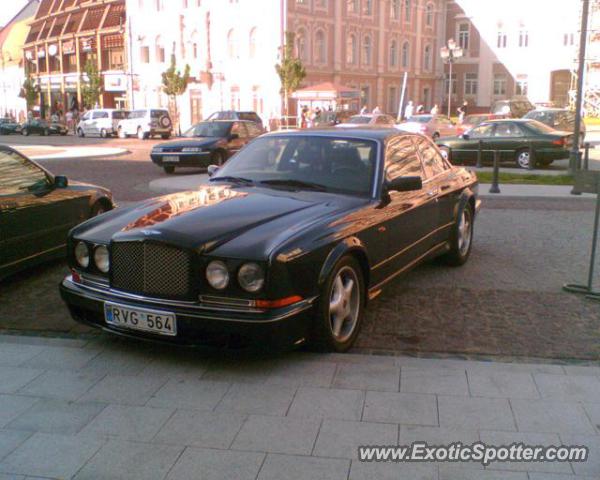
[464, 232]
[344, 304]
[523, 159]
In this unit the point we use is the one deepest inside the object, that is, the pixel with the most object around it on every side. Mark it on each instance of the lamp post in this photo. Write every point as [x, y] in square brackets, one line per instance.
[449, 53]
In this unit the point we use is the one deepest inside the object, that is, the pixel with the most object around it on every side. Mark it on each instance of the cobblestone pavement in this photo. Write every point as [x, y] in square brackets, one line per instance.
[507, 301]
[74, 409]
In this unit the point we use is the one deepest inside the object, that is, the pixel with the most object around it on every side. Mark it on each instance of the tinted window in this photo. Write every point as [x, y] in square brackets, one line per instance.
[209, 129]
[100, 115]
[508, 130]
[251, 116]
[120, 114]
[138, 114]
[432, 160]
[19, 175]
[402, 160]
[482, 131]
[359, 120]
[158, 113]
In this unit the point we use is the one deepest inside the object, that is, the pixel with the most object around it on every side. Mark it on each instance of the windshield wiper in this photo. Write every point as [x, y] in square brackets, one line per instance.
[296, 183]
[232, 179]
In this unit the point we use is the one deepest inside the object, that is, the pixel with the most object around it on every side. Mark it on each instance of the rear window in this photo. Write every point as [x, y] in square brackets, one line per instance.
[120, 115]
[250, 116]
[157, 113]
[540, 127]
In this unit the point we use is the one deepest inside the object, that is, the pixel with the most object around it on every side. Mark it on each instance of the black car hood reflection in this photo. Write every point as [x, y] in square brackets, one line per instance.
[190, 142]
[252, 220]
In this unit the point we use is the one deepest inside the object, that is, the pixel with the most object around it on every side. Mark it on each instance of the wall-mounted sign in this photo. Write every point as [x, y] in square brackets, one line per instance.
[115, 82]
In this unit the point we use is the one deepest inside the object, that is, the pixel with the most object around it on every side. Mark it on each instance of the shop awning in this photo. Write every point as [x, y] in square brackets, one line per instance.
[326, 91]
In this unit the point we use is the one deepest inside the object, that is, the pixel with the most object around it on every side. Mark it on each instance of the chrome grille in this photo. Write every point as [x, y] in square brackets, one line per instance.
[150, 269]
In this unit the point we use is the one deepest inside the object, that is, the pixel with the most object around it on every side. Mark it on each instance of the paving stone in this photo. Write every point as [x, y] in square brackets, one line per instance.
[9, 476]
[128, 422]
[11, 439]
[55, 455]
[63, 385]
[367, 377]
[119, 361]
[392, 471]
[341, 439]
[558, 476]
[406, 408]
[515, 367]
[569, 387]
[12, 406]
[258, 399]
[343, 358]
[277, 435]
[55, 358]
[196, 394]
[434, 380]
[131, 461]
[174, 365]
[593, 412]
[436, 435]
[13, 355]
[544, 416]
[332, 403]
[302, 373]
[14, 378]
[475, 413]
[201, 429]
[454, 472]
[248, 371]
[537, 439]
[585, 370]
[216, 465]
[123, 389]
[591, 467]
[56, 416]
[502, 385]
[290, 467]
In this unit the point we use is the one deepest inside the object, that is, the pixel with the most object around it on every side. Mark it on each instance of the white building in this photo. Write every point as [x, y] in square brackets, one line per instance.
[231, 46]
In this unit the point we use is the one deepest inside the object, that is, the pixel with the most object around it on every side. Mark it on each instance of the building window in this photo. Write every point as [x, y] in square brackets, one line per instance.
[407, 10]
[352, 6]
[235, 97]
[365, 94]
[302, 2]
[351, 49]
[257, 101]
[427, 58]
[301, 45]
[144, 54]
[405, 55]
[447, 86]
[320, 50]
[500, 84]
[252, 43]
[393, 53]
[160, 51]
[501, 40]
[471, 83]
[523, 38]
[522, 86]
[395, 9]
[195, 50]
[429, 15]
[321, 3]
[463, 36]
[159, 5]
[368, 4]
[568, 39]
[367, 47]
[231, 46]
[392, 100]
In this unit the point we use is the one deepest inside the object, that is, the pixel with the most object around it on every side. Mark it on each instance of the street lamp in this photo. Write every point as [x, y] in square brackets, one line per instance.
[449, 53]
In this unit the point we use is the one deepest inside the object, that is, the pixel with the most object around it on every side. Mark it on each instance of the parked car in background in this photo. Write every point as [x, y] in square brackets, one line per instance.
[9, 126]
[371, 119]
[101, 122]
[37, 210]
[331, 118]
[286, 243]
[204, 144]
[146, 123]
[559, 119]
[248, 116]
[514, 138]
[434, 126]
[42, 127]
[513, 108]
[471, 121]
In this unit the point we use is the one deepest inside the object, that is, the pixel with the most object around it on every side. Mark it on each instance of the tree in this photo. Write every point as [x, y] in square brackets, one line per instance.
[291, 71]
[29, 92]
[174, 84]
[92, 89]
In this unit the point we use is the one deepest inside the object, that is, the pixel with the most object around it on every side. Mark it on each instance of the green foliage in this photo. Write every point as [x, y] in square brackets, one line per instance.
[29, 92]
[291, 71]
[174, 84]
[91, 90]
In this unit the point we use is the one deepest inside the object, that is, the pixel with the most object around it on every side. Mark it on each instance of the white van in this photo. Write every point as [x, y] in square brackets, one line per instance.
[100, 122]
[146, 123]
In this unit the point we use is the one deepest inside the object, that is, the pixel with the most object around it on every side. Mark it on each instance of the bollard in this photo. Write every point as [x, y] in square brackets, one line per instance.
[586, 157]
[495, 188]
[479, 146]
[531, 157]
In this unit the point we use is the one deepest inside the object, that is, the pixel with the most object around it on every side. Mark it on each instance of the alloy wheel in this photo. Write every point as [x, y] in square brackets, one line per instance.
[344, 304]
[465, 227]
[523, 159]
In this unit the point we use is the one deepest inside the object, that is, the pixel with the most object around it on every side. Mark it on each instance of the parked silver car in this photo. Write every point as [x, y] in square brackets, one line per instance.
[434, 126]
[101, 122]
[146, 123]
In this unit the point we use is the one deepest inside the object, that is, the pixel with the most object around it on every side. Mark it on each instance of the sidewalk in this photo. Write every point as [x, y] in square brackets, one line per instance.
[111, 408]
[48, 152]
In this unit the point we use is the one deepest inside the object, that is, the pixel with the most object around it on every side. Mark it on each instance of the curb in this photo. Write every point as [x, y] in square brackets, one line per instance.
[63, 154]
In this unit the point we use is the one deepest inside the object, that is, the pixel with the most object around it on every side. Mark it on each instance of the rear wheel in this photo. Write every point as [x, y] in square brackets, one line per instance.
[522, 159]
[25, 132]
[103, 133]
[165, 136]
[169, 169]
[98, 209]
[461, 238]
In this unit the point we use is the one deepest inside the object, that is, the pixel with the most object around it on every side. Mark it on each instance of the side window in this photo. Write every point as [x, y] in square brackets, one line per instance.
[19, 175]
[508, 130]
[482, 131]
[243, 131]
[253, 129]
[87, 116]
[432, 160]
[402, 160]
[100, 115]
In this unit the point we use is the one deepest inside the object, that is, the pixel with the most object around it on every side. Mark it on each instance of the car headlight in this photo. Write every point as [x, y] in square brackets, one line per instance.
[191, 149]
[101, 258]
[157, 149]
[251, 277]
[82, 254]
[217, 275]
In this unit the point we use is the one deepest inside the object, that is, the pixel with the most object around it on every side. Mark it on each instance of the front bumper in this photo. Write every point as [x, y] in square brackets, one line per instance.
[196, 324]
[183, 159]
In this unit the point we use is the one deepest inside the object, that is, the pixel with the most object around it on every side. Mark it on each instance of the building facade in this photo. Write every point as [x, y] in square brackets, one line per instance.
[64, 36]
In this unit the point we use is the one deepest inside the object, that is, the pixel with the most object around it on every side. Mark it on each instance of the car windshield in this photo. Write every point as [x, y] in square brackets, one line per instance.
[540, 127]
[332, 164]
[421, 118]
[359, 120]
[475, 119]
[209, 129]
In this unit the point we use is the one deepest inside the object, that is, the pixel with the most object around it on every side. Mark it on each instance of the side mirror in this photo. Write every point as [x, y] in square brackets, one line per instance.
[234, 136]
[212, 169]
[465, 136]
[404, 184]
[61, 181]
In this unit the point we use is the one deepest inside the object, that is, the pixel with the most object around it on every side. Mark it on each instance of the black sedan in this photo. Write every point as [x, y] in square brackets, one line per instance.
[9, 126]
[288, 241]
[206, 143]
[37, 210]
[42, 127]
[514, 139]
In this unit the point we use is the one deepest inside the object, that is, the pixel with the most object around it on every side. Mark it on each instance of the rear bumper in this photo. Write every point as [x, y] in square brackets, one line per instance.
[194, 325]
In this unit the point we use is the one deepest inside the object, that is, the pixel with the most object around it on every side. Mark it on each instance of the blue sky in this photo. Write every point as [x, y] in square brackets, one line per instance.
[9, 8]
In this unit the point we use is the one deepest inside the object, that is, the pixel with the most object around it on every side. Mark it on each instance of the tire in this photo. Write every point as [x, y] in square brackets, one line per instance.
[141, 135]
[103, 133]
[169, 169]
[461, 238]
[45, 132]
[217, 158]
[522, 159]
[80, 133]
[98, 209]
[25, 132]
[446, 153]
[343, 290]
[121, 133]
[435, 136]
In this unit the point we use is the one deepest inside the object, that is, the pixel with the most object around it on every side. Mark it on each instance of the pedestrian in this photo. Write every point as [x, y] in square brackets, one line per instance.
[462, 111]
[409, 110]
[304, 117]
[364, 110]
[69, 118]
[435, 110]
[420, 109]
[376, 110]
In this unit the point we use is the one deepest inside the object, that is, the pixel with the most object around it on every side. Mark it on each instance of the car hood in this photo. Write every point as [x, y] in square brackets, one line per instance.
[412, 127]
[190, 142]
[253, 220]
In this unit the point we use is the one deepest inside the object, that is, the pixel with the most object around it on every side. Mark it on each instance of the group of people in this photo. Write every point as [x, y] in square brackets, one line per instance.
[410, 110]
[311, 117]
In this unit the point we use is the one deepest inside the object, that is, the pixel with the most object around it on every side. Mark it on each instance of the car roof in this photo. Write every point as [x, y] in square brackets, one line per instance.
[368, 132]
[514, 120]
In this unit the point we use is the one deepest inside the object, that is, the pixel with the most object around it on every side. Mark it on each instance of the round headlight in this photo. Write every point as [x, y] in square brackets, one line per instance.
[251, 277]
[82, 254]
[217, 275]
[101, 258]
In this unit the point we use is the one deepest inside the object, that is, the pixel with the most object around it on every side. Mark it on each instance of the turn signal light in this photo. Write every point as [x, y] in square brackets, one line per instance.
[282, 302]
[75, 276]
[560, 142]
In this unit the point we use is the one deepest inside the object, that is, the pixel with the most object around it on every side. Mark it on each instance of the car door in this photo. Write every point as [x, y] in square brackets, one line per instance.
[467, 147]
[508, 137]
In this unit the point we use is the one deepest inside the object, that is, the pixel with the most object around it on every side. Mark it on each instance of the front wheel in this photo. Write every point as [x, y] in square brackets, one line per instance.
[80, 133]
[45, 132]
[121, 133]
[217, 158]
[523, 159]
[339, 314]
[98, 209]
[141, 135]
[25, 132]
[461, 238]
[165, 136]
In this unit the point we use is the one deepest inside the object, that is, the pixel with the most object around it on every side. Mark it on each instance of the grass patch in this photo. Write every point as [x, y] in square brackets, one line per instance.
[527, 178]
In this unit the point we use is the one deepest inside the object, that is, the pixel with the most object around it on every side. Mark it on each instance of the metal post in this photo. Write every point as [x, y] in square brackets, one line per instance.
[594, 240]
[495, 188]
[479, 146]
[450, 86]
[586, 158]
[579, 98]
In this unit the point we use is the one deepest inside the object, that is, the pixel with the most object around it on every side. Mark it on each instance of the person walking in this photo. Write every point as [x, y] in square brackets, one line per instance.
[409, 110]
[363, 110]
[376, 110]
[462, 111]
[435, 110]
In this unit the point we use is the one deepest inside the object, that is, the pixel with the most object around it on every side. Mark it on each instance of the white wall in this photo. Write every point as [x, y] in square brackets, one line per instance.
[11, 81]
